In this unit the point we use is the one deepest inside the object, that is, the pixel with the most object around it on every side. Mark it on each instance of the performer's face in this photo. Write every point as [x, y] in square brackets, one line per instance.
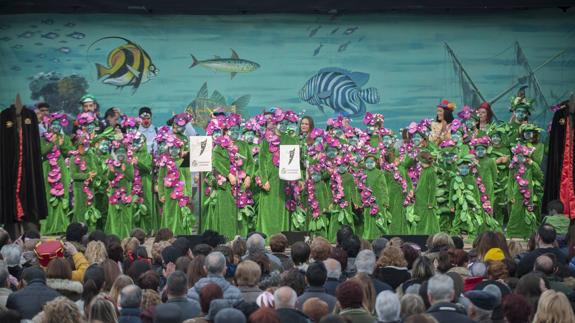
[440, 114]
[370, 163]
[146, 121]
[387, 141]
[235, 132]
[456, 136]
[520, 114]
[318, 140]
[482, 115]
[55, 127]
[216, 133]
[357, 157]
[315, 177]
[496, 139]
[121, 154]
[249, 136]
[371, 129]
[337, 132]
[304, 126]
[104, 146]
[91, 128]
[470, 123]
[331, 152]
[282, 126]
[162, 147]
[174, 151]
[341, 169]
[480, 151]
[292, 128]
[417, 139]
[529, 135]
[463, 169]
[178, 129]
[89, 106]
[353, 141]
[449, 157]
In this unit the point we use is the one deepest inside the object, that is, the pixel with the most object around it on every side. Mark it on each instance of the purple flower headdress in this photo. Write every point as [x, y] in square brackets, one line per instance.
[172, 140]
[233, 119]
[316, 132]
[162, 133]
[217, 123]
[129, 122]
[85, 118]
[466, 113]
[481, 141]
[422, 128]
[58, 117]
[456, 126]
[291, 116]
[277, 116]
[182, 119]
[252, 125]
[373, 119]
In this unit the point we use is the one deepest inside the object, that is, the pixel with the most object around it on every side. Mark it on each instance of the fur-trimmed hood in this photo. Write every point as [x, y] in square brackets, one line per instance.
[65, 285]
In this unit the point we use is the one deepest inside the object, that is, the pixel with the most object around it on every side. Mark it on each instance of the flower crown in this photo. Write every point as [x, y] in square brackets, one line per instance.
[465, 113]
[373, 119]
[252, 125]
[316, 132]
[455, 125]
[291, 116]
[85, 118]
[182, 119]
[129, 121]
[174, 141]
[233, 119]
[62, 117]
[520, 149]
[162, 134]
[336, 122]
[445, 104]
[422, 127]
[217, 123]
[481, 141]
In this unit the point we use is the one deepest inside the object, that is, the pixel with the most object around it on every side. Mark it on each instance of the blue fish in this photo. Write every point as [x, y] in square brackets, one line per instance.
[65, 50]
[340, 90]
[26, 34]
[50, 35]
[76, 35]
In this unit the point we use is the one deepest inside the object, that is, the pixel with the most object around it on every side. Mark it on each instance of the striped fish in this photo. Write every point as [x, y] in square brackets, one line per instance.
[340, 90]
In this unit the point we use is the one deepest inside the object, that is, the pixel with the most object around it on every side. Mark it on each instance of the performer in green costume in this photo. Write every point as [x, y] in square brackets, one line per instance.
[376, 219]
[425, 207]
[500, 152]
[120, 176]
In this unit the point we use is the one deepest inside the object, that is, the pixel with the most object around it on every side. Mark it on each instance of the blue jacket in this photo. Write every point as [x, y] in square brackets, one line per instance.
[231, 292]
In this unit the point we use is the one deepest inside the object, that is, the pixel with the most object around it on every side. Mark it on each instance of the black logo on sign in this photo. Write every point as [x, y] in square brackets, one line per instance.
[291, 155]
[203, 146]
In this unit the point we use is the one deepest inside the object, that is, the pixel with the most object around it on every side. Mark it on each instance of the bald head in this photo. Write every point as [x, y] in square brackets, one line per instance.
[544, 264]
[333, 268]
[285, 297]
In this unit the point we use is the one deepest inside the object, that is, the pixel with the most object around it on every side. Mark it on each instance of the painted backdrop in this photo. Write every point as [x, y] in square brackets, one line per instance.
[400, 65]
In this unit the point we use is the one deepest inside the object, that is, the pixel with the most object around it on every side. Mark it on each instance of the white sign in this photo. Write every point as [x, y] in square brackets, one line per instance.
[200, 154]
[289, 163]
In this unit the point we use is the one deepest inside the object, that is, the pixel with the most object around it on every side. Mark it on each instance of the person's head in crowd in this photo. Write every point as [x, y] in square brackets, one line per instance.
[150, 298]
[422, 268]
[349, 294]
[183, 245]
[115, 251]
[516, 309]
[75, 232]
[213, 238]
[264, 314]
[387, 307]
[215, 264]
[315, 309]
[139, 234]
[440, 288]
[488, 240]
[164, 234]
[532, 242]
[546, 236]
[344, 233]
[157, 249]
[411, 304]
[458, 242]
[396, 242]
[11, 254]
[230, 315]
[410, 253]
[333, 268]
[248, 273]
[352, 245]
[227, 252]
[5, 238]
[196, 270]
[182, 263]
[31, 233]
[247, 308]
[93, 282]
[239, 248]
[478, 269]
[320, 249]
[458, 257]
[111, 272]
[112, 115]
[255, 243]
[340, 256]
[285, 297]
[300, 252]
[101, 310]
[149, 280]
[368, 290]
[333, 318]
[515, 248]
[531, 286]
[262, 260]
[4, 275]
[202, 249]
[137, 268]
[295, 279]
[316, 274]
[278, 243]
[441, 241]
[391, 256]
[96, 252]
[170, 254]
[458, 285]
[497, 270]
[420, 318]
[365, 262]
[130, 245]
[177, 285]
[378, 245]
[545, 264]
[43, 109]
[97, 235]
[168, 313]
[481, 305]
[365, 245]
[555, 207]
[553, 306]
[61, 310]
[33, 274]
[130, 297]
[120, 282]
[207, 294]
[59, 268]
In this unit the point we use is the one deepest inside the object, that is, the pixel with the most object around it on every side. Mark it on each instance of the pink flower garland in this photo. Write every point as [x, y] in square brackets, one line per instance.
[172, 180]
[273, 146]
[55, 173]
[311, 199]
[81, 163]
[523, 182]
[394, 170]
[119, 194]
[242, 198]
[485, 202]
[367, 198]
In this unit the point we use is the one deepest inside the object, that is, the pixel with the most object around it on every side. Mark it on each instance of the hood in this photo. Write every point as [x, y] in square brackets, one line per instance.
[218, 280]
[65, 285]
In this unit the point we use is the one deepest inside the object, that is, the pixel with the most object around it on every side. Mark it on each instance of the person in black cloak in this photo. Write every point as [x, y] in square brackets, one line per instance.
[22, 194]
[560, 177]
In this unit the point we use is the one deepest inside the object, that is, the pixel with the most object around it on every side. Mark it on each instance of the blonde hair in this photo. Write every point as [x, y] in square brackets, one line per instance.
[101, 309]
[392, 256]
[130, 244]
[442, 239]
[96, 252]
[157, 249]
[320, 249]
[515, 248]
[150, 298]
[553, 307]
[61, 310]
[248, 273]
[120, 282]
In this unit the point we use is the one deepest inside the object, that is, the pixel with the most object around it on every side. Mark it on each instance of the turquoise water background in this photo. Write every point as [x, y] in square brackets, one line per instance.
[404, 54]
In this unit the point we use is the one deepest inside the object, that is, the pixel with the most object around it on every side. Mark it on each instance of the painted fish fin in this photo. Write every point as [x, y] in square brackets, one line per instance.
[134, 71]
[234, 54]
[233, 74]
[324, 94]
[102, 70]
[359, 78]
[369, 95]
[242, 101]
[320, 107]
[203, 92]
[194, 61]
[218, 98]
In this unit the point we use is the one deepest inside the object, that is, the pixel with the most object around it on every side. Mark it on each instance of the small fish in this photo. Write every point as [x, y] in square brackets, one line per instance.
[76, 35]
[15, 68]
[17, 46]
[39, 66]
[47, 21]
[70, 25]
[50, 35]
[42, 55]
[6, 38]
[55, 60]
[350, 30]
[63, 41]
[26, 34]
[343, 46]
[334, 31]
[232, 65]
[38, 44]
[316, 51]
[314, 31]
[65, 50]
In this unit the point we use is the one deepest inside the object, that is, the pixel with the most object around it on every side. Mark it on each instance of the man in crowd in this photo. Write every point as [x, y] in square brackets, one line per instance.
[545, 240]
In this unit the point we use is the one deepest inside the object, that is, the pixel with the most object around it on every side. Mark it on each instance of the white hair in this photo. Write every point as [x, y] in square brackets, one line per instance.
[387, 306]
[365, 262]
[215, 262]
[255, 243]
[11, 254]
[285, 297]
[333, 268]
[440, 288]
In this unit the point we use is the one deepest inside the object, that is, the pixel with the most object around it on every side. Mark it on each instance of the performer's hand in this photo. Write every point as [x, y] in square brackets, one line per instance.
[162, 199]
[70, 248]
[267, 186]
[452, 210]
[196, 178]
[301, 185]
[247, 182]
[123, 167]
[91, 175]
[232, 179]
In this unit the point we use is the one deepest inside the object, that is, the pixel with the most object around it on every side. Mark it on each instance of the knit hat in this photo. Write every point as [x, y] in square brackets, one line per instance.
[495, 254]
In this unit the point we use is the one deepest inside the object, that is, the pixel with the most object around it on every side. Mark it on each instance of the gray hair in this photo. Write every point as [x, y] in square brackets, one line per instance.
[11, 254]
[131, 297]
[255, 243]
[333, 268]
[365, 262]
[387, 306]
[440, 288]
[4, 274]
[285, 297]
[411, 304]
[413, 289]
[215, 263]
[378, 245]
